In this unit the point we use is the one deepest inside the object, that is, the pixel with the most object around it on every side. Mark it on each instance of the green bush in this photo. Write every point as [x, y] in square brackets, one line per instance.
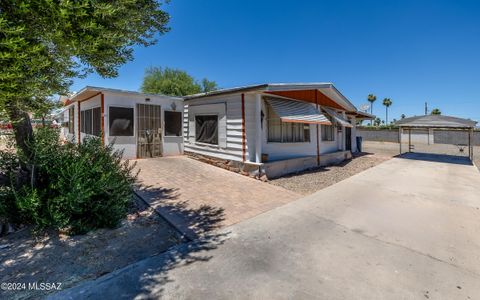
[74, 187]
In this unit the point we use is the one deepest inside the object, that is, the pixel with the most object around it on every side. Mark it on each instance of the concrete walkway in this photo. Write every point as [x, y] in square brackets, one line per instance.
[406, 229]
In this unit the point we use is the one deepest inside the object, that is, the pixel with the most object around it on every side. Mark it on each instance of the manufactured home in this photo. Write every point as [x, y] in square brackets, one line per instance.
[272, 129]
[142, 125]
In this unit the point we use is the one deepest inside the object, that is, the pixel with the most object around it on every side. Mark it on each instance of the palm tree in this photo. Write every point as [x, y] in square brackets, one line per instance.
[371, 98]
[436, 111]
[387, 102]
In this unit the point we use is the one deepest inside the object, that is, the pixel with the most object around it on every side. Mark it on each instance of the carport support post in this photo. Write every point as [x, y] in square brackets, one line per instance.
[409, 140]
[259, 130]
[400, 138]
[470, 146]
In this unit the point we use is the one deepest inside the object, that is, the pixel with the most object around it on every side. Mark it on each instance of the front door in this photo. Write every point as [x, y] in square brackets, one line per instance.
[149, 130]
[348, 138]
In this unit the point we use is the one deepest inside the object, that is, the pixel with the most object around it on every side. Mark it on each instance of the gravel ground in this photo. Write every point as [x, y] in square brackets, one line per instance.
[310, 181]
[51, 257]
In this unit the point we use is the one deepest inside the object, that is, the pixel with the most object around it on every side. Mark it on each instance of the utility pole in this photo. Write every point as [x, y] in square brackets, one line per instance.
[426, 108]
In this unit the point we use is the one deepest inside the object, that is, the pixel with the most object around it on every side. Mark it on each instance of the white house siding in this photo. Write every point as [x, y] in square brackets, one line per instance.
[231, 130]
[279, 151]
[171, 145]
[87, 104]
[229, 109]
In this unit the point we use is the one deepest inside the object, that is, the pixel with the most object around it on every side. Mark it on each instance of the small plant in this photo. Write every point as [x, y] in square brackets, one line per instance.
[74, 187]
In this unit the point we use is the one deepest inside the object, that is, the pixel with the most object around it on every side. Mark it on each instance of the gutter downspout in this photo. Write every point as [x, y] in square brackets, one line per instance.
[259, 129]
[318, 136]
[243, 129]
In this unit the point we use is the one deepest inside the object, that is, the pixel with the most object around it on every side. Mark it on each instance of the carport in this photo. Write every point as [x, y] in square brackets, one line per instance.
[429, 123]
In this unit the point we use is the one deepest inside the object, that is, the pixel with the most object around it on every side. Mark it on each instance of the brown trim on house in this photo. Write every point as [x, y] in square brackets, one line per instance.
[102, 109]
[79, 132]
[99, 93]
[244, 146]
[312, 96]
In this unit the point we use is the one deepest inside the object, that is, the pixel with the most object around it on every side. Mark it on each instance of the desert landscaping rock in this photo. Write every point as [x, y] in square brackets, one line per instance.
[311, 181]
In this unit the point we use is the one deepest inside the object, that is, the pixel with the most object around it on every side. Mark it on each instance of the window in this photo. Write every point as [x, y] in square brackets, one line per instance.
[97, 121]
[328, 131]
[286, 132]
[173, 123]
[120, 121]
[71, 120]
[91, 121]
[206, 129]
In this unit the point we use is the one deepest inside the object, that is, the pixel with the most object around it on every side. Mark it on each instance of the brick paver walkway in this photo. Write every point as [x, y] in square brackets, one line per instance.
[197, 197]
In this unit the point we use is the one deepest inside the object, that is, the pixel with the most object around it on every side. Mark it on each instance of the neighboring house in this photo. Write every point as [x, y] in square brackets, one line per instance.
[272, 129]
[142, 125]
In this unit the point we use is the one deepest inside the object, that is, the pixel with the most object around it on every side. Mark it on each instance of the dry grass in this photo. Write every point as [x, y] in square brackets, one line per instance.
[53, 257]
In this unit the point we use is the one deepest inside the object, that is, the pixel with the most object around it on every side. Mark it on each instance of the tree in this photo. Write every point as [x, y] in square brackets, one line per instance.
[44, 44]
[377, 121]
[371, 98]
[402, 116]
[436, 111]
[208, 86]
[41, 108]
[387, 102]
[174, 82]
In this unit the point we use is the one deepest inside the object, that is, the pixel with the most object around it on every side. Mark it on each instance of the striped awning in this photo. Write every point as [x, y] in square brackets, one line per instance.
[337, 117]
[297, 112]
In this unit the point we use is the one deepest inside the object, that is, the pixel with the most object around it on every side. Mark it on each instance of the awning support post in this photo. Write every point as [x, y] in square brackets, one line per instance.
[259, 130]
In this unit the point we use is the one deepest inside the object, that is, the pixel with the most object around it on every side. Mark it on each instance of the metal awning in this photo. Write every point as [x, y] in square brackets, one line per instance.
[338, 118]
[297, 112]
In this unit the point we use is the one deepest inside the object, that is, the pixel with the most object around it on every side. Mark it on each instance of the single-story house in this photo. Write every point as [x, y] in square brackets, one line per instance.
[142, 125]
[272, 129]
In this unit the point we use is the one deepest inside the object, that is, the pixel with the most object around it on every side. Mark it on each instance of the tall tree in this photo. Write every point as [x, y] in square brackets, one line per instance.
[371, 98]
[41, 108]
[174, 82]
[387, 102]
[44, 44]
[436, 111]
[208, 86]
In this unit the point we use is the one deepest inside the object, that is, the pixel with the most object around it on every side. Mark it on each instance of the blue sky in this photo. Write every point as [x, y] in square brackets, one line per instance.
[409, 51]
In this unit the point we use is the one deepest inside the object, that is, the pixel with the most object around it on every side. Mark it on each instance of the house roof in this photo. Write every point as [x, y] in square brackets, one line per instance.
[91, 91]
[436, 121]
[301, 91]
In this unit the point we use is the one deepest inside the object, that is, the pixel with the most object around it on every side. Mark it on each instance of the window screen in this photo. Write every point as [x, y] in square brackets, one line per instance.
[120, 121]
[82, 121]
[97, 121]
[173, 123]
[71, 119]
[206, 129]
[88, 121]
[286, 132]
[328, 133]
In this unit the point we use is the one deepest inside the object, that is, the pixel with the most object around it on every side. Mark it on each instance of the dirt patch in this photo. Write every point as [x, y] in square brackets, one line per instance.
[52, 257]
[310, 181]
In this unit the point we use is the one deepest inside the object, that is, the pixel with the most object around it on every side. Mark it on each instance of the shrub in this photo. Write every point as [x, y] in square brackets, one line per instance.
[74, 187]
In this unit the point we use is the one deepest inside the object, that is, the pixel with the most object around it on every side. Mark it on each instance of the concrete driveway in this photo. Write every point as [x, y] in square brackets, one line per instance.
[406, 229]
